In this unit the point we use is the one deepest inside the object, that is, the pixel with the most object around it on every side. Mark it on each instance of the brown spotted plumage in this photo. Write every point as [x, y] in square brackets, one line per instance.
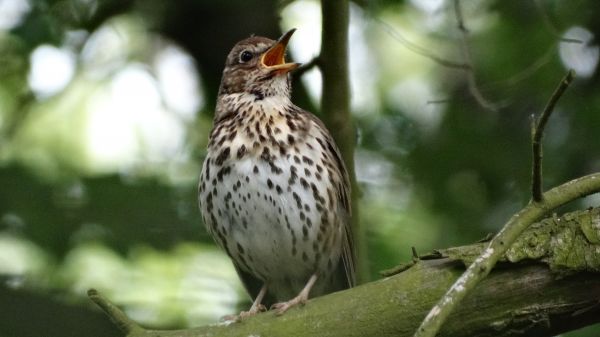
[274, 192]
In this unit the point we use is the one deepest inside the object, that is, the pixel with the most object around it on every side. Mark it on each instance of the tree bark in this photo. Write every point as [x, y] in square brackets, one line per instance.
[547, 284]
[335, 105]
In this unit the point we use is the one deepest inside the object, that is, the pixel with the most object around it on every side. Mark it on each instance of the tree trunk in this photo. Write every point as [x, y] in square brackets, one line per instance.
[335, 105]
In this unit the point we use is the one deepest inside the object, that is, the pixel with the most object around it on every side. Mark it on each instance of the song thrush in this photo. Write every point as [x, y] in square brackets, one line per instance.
[274, 192]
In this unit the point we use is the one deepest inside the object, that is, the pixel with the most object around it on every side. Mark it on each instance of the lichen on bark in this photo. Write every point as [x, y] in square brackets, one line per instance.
[567, 244]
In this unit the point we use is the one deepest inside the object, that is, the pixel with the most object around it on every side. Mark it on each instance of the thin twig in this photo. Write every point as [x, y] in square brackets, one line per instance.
[471, 81]
[306, 67]
[550, 25]
[438, 101]
[397, 269]
[415, 255]
[418, 49]
[538, 134]
[525, 73]
[118, 317]
[481, 267]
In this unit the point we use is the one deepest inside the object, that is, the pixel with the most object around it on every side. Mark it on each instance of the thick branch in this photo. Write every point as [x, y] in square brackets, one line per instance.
[520, 299]
[537, 208]
[481, 267]
[527, 300]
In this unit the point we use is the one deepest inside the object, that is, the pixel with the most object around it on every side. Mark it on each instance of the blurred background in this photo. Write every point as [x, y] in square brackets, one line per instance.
[106, 105]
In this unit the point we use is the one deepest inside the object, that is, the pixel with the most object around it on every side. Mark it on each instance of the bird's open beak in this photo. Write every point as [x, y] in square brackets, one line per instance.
[274, 58]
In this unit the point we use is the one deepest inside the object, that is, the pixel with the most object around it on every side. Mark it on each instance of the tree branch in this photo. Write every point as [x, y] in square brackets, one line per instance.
[481, 267]
[551, 28]
[471, 81]
[538, 133]
[306, 67]
[540, 205]
[415, 48]
[519, 299]
[118, 317]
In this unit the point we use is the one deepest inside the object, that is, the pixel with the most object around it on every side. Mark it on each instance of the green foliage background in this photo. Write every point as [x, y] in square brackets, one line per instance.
[436, 168]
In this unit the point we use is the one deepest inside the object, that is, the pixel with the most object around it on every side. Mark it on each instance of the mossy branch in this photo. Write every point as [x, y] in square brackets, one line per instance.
[540, 205]
[496, 248]
[524, 298]
[118, 317]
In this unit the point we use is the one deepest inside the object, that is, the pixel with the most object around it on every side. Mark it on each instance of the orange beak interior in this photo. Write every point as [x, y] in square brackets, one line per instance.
[274, 57]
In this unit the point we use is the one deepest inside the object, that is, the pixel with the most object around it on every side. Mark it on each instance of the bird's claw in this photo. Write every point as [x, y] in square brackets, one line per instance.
[282, 307]
[245, 314]
[253, 311]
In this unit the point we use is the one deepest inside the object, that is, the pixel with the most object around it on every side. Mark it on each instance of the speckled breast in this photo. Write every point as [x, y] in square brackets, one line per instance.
[269, 199]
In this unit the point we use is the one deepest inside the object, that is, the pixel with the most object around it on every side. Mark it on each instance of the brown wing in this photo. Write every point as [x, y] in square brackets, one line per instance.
[348, 260]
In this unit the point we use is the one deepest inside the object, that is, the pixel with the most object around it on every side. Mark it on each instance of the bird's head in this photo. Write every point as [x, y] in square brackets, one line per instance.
[257, 65]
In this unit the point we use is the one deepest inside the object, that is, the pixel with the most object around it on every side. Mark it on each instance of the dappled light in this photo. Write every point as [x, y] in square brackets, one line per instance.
[51, 70]
[191, 284]
[12, 13]
[582, 54]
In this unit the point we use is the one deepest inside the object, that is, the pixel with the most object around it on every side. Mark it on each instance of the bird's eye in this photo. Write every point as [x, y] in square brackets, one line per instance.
[245, 56]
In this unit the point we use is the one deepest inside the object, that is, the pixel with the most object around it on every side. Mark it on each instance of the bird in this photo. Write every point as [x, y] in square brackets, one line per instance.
[273, 191]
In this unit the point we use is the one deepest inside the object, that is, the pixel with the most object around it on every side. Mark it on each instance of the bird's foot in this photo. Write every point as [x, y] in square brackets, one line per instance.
[253, 311]
[229, 318]
[302, 297]
[244, 314]
[282, 307]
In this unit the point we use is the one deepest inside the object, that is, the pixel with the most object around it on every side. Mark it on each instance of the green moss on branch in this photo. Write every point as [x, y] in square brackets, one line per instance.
[525, 297]
[566, 244]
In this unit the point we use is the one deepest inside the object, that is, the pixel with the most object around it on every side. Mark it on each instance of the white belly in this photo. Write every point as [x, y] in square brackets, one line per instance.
[270, 225]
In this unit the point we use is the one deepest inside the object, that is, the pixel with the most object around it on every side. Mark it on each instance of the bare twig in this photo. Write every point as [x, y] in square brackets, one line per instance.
[420, 50]
[471, 81]
[397, 269]
[438, 101]
[538, 134]
[118, 317]
[553, 30]
[306, 67]
[525, 73]
[415, 255]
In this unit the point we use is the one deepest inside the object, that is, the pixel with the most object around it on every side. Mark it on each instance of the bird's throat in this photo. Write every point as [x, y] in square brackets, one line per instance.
[254, 103]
